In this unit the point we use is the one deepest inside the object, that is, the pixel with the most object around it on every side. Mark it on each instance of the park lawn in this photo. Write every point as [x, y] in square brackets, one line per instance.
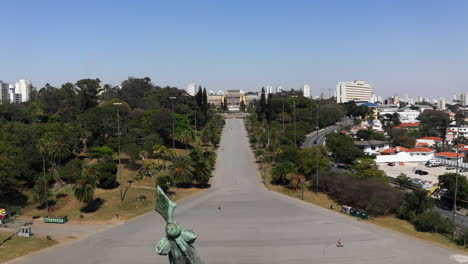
[20, 246]
[111, 205]
[389, 222]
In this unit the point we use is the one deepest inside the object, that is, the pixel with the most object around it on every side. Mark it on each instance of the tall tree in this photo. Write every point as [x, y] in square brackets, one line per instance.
[88, 90]
[199, 97]
[262, 105]
[205, 102]
[41, 192]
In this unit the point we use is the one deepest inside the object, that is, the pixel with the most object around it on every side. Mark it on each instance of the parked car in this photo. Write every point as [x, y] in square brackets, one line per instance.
[463, 170]
[421, 172]
[433, 163]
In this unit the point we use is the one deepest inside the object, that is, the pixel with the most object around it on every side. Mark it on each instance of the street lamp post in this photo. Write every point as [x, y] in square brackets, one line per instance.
[456, 183]
[173, 121]
[118, 153]
[294, 117]
[283, 110]
[317, 154]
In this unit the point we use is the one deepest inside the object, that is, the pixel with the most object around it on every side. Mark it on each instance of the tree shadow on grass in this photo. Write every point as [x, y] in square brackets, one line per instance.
[50, 203]
[92, 206]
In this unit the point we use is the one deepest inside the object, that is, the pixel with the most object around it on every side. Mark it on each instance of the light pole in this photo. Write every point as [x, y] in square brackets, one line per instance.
[173, 121]
[456, 182]
[294, 114]
[118, 153]
[284, 95]
[317, 154]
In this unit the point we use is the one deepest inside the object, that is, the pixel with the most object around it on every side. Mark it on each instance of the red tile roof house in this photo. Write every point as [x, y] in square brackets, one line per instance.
[430, 141]
[450, 156]
[408, 125]
[401, 154]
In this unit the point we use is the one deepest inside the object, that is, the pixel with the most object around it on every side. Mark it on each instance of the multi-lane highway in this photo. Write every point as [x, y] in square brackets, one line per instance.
[254, 226]
[313, 139]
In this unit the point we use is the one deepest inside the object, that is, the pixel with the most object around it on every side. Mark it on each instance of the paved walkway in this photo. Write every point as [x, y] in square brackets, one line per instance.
[255, 226]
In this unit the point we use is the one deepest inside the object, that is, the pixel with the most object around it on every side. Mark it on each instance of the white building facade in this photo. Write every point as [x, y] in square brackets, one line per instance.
[409, 116]
[306, 91]
[191, 89]
[23, 88]
[357, 90]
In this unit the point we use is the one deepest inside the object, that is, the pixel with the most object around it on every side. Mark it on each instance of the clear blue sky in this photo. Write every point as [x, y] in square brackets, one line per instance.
[414, 47]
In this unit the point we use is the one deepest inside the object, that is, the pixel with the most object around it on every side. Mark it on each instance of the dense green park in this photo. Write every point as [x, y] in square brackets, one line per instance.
[85, 141]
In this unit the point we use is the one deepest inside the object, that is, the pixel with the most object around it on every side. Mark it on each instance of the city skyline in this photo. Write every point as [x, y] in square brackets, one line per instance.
[204, 42]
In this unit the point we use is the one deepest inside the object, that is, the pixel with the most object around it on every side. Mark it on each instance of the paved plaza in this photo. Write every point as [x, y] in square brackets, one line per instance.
[255, 226]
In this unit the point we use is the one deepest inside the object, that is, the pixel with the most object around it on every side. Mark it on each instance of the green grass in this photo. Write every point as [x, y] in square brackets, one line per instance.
[389, 222]
[20, 246]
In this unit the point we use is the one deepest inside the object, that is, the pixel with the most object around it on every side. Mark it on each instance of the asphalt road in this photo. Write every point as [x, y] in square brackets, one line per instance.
[320, 139]
[255, 226]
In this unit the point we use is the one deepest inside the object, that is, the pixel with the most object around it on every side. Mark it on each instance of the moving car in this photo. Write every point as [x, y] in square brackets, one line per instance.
[450, 167]
[391, 163]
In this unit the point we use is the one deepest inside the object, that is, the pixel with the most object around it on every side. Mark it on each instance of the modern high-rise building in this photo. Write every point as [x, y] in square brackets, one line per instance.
[191, 89]
[268, 89]
[356, 90]
[306, 91]
[279, 89]
[4, 95]
[463, 99]
[23, 87]
[441, 103]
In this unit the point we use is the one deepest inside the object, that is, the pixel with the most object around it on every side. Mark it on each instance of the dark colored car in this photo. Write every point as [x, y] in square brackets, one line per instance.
[391, 163]
[421, 172]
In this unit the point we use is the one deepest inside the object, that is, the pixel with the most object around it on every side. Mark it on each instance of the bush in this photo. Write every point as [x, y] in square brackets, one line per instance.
[375, 197]
[431, 221]
[280, 172]
[462, 239]
[164, 181]
[69, 172]
[99, 152]
[106, 172]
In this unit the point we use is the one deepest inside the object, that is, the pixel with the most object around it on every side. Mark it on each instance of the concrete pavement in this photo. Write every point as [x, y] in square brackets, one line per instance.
[255, 226]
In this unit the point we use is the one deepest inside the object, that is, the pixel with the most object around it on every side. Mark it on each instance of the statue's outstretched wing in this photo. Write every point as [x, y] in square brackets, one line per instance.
[165, 207]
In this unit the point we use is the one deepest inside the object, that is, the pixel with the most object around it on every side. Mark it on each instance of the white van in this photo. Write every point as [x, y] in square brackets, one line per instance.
[433, 163]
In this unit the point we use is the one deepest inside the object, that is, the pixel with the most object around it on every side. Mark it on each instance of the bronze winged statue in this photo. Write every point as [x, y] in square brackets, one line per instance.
[178, 242]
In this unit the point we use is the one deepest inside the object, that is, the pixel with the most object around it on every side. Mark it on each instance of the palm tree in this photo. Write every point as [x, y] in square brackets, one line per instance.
[161, 152]
[86, 184]
[185, 136]
[59, 149]
[181, 170]
[201, 172]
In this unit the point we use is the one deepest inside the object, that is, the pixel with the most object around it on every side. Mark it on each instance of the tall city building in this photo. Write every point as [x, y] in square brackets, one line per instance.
[15, 98]
[268, 89]
[191, 89]
[279, 89]
[463, 99]
[357, 90]
[441, 103]
[23, 87]
[4, 96]
[306, 91]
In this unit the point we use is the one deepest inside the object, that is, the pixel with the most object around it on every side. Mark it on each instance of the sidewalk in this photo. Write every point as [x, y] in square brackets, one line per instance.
[73, 230]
